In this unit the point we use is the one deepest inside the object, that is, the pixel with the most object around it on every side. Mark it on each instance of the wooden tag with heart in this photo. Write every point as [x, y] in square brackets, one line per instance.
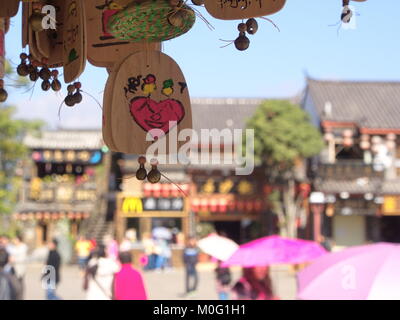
[150, 98]
[74, 39]
[9, 8]
[242, 9]
[103, 49]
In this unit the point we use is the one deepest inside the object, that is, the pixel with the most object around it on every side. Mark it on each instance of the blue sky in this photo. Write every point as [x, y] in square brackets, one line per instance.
[274, 66]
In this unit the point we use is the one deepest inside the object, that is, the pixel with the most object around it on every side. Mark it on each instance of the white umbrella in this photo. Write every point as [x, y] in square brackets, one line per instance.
[218, 247]
[162, 233]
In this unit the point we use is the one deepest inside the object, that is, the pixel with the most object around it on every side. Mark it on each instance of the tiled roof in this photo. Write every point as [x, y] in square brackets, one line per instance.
[66, 139]
[54, 207]
[221, 113]
[359, 186]
[370, 104]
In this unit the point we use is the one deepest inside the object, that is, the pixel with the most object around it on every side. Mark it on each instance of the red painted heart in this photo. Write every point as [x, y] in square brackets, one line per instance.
[149, 114]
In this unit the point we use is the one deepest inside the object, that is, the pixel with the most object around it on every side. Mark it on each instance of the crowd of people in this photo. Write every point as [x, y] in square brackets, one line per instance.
[13, 260]
[108, 271]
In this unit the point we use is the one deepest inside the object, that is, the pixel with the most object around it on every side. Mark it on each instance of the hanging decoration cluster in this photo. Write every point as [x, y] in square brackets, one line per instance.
[146, 97]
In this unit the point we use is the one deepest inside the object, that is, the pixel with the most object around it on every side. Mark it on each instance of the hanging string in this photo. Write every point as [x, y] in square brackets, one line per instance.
[98, 103]
[273, 23]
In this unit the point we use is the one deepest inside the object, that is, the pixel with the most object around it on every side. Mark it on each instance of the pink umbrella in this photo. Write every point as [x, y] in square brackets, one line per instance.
[370, 272]
[275, 250]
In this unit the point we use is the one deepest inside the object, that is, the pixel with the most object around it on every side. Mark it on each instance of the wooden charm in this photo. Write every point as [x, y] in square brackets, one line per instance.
[9, 8]
[102, 48]
[107, 102]
[50, 42]
[74, 39]
[151, 20]
[236, 9]
[25, 17]
[150, 98]
[2, 47]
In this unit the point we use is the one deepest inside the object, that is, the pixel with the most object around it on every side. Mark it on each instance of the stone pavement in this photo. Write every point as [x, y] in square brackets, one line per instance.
[168, 285]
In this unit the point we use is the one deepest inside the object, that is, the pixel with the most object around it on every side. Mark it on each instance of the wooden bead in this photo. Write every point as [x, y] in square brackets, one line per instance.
[242, 42]
[252, 26]
[242, 27]
[3, 94]
[141, 173]
[142, 160]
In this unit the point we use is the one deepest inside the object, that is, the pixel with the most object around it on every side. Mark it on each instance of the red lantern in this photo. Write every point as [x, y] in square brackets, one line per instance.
[223, 205]
[157, 190]
[258, 204]
[147, 189]
[195, 205]
[232, 205]
[71, 215]
[240, 205]
[268, 189]
[304, 189]
[213, 204]
[165, 190]
[174, 191]
[249, 205]
[204, 205]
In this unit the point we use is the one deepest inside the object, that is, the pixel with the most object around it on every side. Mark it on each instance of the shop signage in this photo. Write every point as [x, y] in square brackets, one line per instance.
[68, 156]
[140, 205]
[227, 186]
[391, 206]
[60, 193]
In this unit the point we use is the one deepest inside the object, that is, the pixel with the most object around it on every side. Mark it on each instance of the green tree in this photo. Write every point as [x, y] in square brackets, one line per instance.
[12, 151]
[283, 138]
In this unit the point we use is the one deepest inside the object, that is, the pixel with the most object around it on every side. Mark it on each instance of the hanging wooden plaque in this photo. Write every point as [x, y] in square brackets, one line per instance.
[9, 8]
[25, 24]
[242, 9]
[107, 101]
[103, 49]
[2, 46]
[150, 99]
[50, 42]
[33, 49]
[74, 39]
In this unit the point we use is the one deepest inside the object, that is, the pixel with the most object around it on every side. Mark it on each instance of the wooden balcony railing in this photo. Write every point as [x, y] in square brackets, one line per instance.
[347, 170]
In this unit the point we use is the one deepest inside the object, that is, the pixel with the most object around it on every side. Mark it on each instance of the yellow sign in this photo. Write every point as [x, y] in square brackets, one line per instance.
[209, 186]
[132, 205]
[226, 186]
[245, 188]
[390, 205]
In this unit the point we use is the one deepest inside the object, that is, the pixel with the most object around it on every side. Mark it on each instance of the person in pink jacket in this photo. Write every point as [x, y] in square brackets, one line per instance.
[128, 282]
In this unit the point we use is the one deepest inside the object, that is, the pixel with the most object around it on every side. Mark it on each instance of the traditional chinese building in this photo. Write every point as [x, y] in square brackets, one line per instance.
[63, 184]
[358, 172]
[210, 193]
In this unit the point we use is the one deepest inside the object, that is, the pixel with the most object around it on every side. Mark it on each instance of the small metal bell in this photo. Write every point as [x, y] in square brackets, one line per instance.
[46, 85]
[242, 42]
[3, 95]
[141, 173]
[252, 26]
[154, 176]
[69, 100]
[77, 97]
